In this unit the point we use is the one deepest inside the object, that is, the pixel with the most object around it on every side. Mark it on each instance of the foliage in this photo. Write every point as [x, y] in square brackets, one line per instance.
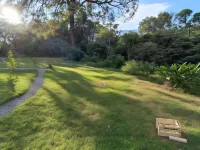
[196, 18]
[183, 75]
[183, 16]
[166, 49]
[148, 25]
[107, 33]
[97, 49]
[74, 54]
[128, 42]
[113, 61]
[52, 47]
[12, 78]
[147, 51]
[139, 68]
[90, 59]
[163, 41]
[116, 61]
[104, 10]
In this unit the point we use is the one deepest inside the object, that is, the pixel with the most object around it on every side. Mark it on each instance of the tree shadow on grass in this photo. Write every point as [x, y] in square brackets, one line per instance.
[112, 120]
[110, 77]
[153, 79]
[122, 121]
[190, 101]
[177, 111]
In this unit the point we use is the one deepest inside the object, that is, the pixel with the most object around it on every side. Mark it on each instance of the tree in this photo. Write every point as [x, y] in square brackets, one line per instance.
[148, 25]
[128, 41]
[8, 34]
[100, 9]
[184, 18]
[196, 18]
[155, 24]
[164, 20]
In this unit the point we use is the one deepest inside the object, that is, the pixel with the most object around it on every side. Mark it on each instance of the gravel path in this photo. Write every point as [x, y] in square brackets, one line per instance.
[8, 107]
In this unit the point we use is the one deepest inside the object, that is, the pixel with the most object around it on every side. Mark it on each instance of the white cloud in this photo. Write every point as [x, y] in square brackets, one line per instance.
[144, 10]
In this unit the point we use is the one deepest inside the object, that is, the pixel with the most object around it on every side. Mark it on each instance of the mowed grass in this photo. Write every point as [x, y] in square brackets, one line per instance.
[25, 79]
[81, 107]
[33, 62]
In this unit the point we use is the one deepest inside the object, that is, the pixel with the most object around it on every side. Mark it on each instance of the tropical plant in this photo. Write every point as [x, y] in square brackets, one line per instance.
[182, 75]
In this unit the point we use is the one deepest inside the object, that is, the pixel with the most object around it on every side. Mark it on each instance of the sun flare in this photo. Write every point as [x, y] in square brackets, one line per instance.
[11, 15]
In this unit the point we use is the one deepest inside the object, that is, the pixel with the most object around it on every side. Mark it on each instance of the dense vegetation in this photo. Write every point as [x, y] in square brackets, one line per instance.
[163, 40]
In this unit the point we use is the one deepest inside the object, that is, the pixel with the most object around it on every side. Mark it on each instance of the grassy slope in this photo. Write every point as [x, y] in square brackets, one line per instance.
[82, 107]
[25, 79]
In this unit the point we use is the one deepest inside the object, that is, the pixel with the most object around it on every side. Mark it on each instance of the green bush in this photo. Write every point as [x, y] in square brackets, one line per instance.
[90, 59]
[114, 61]
[74, 54]
[139, 68]
[185, 75]
[97, 49]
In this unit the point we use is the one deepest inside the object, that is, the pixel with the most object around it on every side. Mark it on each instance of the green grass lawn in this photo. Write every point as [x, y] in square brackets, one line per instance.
[25, 78]
[81, 107]
[33, 62]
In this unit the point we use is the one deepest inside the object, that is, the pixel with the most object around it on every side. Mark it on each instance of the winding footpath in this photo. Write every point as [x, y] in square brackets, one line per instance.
[8, 107]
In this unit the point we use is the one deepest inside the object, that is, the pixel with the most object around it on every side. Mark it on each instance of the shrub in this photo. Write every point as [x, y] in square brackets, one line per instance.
[139, 68]
[97, 49]
[104, 64]
[183, 75]
[90, 59]
[74, 54]
[114, 61]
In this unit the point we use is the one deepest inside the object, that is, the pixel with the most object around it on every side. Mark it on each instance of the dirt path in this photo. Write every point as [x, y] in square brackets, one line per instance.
[8, 107]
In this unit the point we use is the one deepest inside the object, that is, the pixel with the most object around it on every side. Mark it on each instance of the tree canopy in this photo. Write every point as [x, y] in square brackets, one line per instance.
[98, 9]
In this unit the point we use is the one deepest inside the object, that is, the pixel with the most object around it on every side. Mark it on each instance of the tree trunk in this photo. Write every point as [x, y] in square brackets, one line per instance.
[71, 10]
[189, 31]
[128, 52]
[72, 29]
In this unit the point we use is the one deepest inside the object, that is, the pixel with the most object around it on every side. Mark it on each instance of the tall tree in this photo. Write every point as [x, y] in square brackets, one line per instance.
[196, 18]
[8, 34]
[148, 25]
[99, 9]
[184, 18]
[164, 20]
[128, 41]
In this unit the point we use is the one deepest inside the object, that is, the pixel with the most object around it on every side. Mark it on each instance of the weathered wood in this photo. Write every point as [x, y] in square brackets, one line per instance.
[168, 127]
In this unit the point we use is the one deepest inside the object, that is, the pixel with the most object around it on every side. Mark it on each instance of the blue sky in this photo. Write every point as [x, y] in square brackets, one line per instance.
[153, 7]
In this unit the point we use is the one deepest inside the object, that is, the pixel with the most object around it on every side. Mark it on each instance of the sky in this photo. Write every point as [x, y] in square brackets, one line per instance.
[154, 7]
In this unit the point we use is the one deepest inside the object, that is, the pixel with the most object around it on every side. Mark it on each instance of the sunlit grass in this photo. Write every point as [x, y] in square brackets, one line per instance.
[81, 107]
[25, 78]
[33, 62]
